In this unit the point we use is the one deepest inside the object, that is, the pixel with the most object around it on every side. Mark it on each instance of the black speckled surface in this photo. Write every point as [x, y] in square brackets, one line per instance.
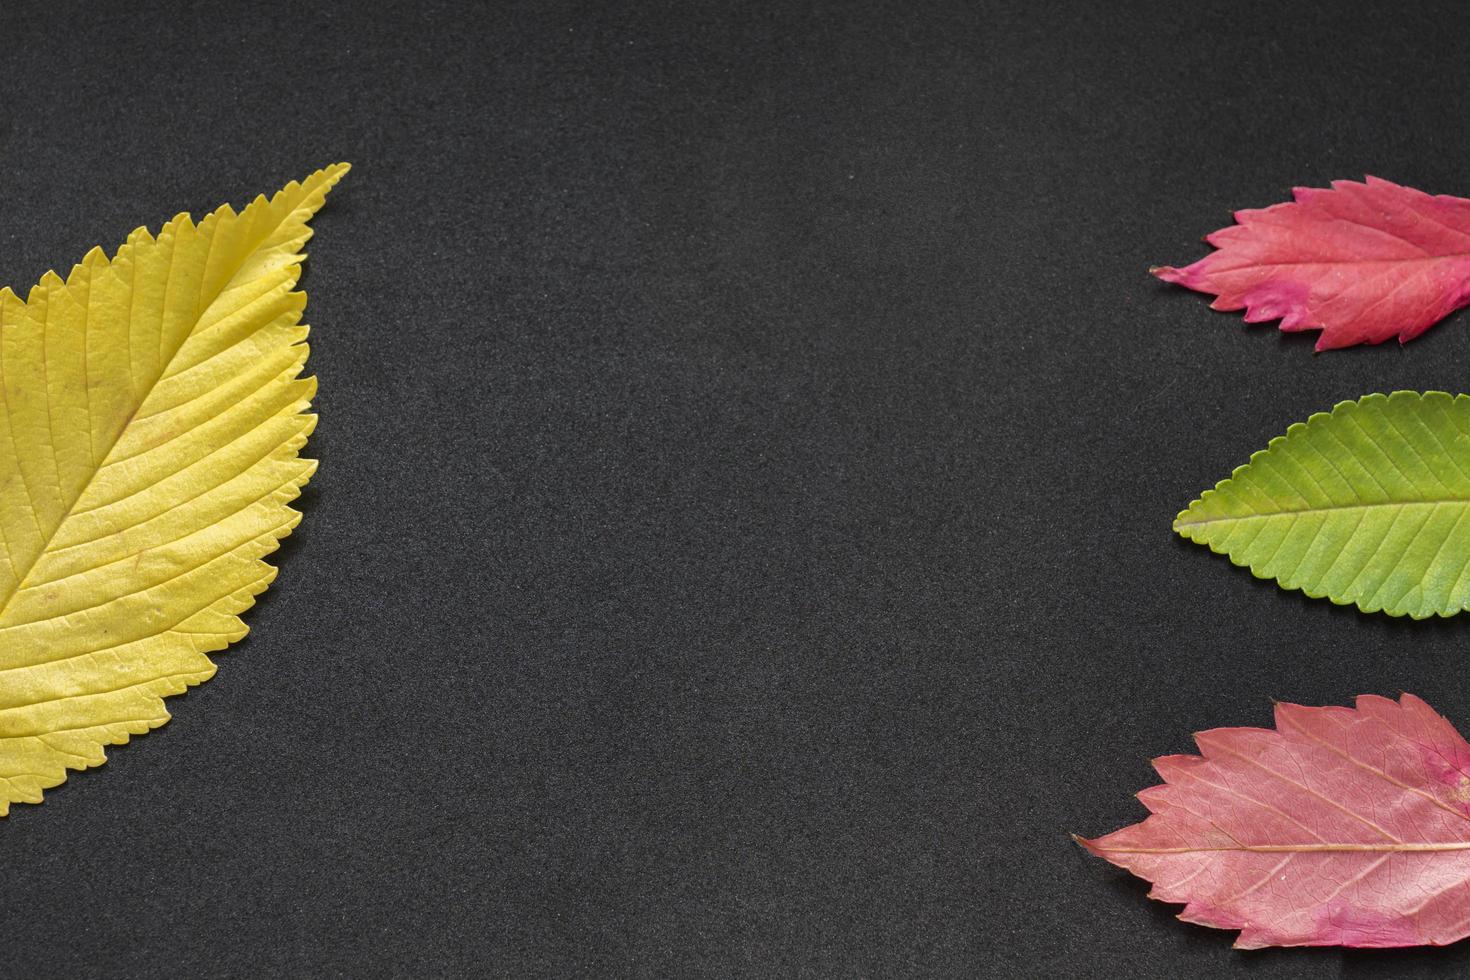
[749, 440]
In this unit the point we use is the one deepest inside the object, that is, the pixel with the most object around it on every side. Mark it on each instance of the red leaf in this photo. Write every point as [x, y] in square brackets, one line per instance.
[1343, 827]
[1361, 262]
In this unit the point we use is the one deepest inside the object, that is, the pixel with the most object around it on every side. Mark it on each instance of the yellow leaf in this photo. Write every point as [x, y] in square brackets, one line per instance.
[153, 415]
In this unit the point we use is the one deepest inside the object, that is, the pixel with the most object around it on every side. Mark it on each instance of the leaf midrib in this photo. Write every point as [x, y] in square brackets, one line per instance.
[1428, 502]
[1446, 257]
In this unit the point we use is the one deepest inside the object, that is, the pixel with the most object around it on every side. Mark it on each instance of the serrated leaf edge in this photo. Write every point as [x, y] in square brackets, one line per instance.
[1316, 418]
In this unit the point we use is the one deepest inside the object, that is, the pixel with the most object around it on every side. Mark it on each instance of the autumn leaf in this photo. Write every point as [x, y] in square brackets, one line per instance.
[1360, 262]
[153, 413]
[1367, 504]
[1343, 827]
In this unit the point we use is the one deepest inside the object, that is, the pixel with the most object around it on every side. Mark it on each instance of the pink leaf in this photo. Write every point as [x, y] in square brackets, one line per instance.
[1360, 262]
[1343, 827]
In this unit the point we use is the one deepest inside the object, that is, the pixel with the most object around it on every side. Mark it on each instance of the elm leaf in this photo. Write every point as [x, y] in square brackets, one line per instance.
[1366, 504]
[1342, 827]
[153, 416]
[1360, 262]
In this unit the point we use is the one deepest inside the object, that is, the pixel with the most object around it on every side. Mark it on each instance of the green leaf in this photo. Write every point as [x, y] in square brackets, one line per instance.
[1367, 504]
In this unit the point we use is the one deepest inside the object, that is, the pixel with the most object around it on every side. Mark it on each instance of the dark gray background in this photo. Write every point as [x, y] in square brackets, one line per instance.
[749, 441]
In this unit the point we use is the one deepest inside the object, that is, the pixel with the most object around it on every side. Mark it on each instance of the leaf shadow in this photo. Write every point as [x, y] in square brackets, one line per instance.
[1267, 587]
[1163, 916]
[305, 504]
[1290, 339]
[1437, 961]
[1442, 332]
[1204, 941]
[1284, 338]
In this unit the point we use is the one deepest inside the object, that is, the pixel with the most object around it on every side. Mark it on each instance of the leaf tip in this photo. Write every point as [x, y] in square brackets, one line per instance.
[334, 172]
